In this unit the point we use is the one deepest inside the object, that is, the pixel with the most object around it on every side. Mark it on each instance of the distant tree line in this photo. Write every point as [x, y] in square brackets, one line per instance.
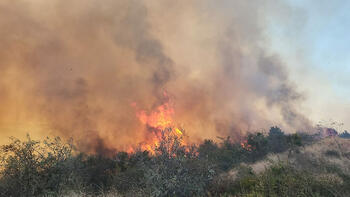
[345, 134]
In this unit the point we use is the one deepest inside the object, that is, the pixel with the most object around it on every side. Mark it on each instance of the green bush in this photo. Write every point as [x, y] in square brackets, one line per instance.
[131, 171]
[228, 154]
[283, 180]
[223, 156]
[54, 168]
[332, 153]
[176, 170]
[50, 167]
[277, 141]
[259, 146]
[30, 168]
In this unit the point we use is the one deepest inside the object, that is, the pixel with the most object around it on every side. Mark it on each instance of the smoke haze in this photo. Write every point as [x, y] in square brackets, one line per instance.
[73, 68]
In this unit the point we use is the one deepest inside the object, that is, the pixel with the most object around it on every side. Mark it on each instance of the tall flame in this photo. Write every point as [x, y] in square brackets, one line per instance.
[159, 119]
[159, 123]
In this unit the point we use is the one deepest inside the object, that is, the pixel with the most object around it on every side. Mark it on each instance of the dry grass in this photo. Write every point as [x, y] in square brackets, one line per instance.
[307, 156]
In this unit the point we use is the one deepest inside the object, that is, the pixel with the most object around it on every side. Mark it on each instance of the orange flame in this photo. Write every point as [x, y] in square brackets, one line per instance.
[246, 146]
[159, 119]
[159, 122]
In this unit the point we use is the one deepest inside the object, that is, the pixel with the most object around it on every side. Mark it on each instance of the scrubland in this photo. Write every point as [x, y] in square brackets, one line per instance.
[266, 164]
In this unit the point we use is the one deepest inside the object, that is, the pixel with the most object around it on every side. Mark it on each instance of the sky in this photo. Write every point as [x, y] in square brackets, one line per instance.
[315, 41]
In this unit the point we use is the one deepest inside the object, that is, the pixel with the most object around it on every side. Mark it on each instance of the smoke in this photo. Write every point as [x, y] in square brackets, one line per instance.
[73, 68]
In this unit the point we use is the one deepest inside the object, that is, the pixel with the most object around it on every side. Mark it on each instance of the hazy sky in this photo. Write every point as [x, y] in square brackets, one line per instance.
[315, 41]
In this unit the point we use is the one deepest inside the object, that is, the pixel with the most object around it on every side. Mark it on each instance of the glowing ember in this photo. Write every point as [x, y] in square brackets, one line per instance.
[246, 146]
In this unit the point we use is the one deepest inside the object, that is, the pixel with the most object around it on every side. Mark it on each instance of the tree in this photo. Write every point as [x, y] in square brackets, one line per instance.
[277, 141]
[259, 148]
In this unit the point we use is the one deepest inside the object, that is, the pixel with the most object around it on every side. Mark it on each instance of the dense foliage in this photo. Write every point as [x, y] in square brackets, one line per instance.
[54, 168]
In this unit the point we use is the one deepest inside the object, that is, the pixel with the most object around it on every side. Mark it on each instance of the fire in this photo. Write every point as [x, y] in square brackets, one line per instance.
[246, 145]
[159, 119]
[160, 124]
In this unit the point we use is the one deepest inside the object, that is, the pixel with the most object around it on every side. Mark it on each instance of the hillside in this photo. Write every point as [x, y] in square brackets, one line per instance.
[273, 164]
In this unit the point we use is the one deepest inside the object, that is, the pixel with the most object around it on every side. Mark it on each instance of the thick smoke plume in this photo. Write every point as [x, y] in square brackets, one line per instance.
[74, 68]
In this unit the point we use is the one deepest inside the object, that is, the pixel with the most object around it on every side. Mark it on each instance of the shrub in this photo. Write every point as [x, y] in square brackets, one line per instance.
[283, 180]
[332, 153]
[223, 157]
[208, 150]
[30, 168]
[277, 140]
[176, 170]
[97, 172]
[53, 168]
[131, 171]
[259, 148]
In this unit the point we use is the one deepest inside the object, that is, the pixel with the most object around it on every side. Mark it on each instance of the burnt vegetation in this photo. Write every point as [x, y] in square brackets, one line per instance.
[53, 167]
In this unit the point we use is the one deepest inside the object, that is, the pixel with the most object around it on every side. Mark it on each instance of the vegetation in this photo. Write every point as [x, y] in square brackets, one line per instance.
[345, 134]
[54, 168]
[282, 179]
